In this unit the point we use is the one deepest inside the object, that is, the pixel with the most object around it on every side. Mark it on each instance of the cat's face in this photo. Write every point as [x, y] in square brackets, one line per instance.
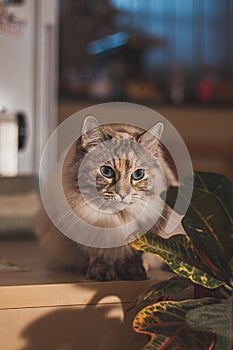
[120, 172]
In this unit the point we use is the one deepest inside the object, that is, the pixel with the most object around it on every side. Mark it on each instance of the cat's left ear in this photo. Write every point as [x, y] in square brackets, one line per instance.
[92, 133]
[150, 139]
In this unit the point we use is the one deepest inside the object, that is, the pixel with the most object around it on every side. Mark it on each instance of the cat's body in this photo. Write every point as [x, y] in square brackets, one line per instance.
[126, 180]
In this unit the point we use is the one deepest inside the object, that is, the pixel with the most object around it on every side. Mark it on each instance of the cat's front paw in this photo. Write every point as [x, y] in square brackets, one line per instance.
[131, 268]
[132, 272]
[101, 272]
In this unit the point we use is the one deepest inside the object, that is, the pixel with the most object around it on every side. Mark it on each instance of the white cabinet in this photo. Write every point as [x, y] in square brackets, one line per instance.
[28, 73]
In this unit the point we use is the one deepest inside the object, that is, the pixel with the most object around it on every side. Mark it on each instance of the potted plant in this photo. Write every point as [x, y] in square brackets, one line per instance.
[203, 258]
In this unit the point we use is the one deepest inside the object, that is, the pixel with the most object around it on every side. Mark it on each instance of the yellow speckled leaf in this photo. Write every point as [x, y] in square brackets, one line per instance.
[180, 254]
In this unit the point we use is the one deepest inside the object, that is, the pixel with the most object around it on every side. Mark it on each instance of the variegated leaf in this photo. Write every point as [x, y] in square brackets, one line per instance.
[166, 325]
[214, 318]
[163, 289]
[208, 221]
[180, 254]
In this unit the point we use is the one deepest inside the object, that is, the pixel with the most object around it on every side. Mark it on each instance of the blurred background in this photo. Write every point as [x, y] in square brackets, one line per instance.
[152, 51]
[57, 57]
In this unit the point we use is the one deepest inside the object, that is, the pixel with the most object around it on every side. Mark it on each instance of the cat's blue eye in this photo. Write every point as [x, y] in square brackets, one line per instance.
[138, 174]
[107, 171]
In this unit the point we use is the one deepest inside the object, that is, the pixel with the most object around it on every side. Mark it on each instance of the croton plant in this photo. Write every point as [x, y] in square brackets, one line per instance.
[203, 258]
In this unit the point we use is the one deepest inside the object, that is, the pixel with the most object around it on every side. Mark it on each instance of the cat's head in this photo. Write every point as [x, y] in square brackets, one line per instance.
[120, 171]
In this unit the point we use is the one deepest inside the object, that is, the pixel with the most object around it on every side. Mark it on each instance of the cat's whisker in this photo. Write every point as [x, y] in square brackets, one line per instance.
[89, 200]
[138, 212]
[99, 203]
[152, 207]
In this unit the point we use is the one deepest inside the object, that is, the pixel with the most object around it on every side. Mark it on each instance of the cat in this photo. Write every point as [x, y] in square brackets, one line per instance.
[125, 181]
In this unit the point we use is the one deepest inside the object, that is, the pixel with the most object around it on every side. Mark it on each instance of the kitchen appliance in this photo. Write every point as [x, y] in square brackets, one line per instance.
[12, 140]
[28, 79]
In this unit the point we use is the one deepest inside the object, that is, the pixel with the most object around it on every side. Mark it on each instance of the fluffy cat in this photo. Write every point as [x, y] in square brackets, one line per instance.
[125, 180]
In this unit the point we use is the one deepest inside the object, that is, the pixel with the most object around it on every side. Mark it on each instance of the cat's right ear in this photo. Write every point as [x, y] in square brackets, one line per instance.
[92, 133]
[150, 139]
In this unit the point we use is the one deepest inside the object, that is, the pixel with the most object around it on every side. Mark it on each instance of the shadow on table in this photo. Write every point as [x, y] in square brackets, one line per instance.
[82, 327]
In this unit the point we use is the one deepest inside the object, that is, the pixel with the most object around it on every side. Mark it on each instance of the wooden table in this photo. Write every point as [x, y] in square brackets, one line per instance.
[40, 309]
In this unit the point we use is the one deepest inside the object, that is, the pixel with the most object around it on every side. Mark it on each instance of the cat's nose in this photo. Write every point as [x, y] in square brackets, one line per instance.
[122, 189]
[123, 195]
[126, 198]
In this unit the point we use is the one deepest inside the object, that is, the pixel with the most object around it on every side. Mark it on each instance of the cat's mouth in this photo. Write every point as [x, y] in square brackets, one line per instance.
[116, 203]
[123, 204]
[115, 206]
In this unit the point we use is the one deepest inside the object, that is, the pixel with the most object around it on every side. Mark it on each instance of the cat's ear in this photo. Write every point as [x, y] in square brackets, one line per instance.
[150, 139]
[92, 133]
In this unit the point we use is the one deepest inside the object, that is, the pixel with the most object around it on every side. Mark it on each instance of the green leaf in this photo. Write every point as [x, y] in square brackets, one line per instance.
[218, 184]
[163, 289]
[208, 226]
[180, 254]
[165, 323]
[208, 221]
[214, 318]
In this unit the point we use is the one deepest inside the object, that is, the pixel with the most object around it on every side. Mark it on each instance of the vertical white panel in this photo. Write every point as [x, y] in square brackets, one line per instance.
[17, 77]
[28, 75]
[47, 72]
[8, 145]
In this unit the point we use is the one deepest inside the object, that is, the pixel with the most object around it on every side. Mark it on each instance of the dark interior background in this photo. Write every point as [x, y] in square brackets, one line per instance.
[173, 51]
